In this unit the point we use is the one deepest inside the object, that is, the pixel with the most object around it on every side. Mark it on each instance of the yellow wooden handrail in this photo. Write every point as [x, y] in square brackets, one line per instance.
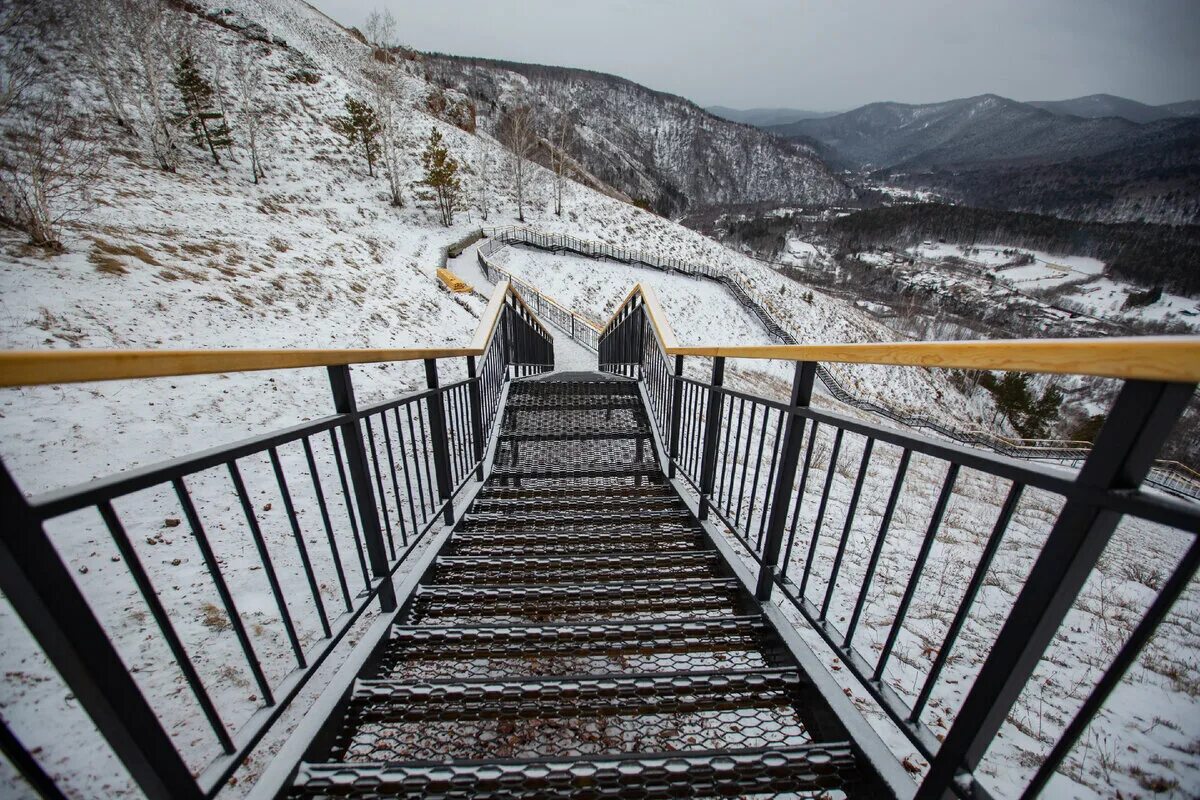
[41, 367]
[1159, 358]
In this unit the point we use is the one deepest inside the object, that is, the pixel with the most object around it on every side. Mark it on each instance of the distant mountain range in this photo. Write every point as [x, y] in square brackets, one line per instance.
[763, 117]
[993, 151]
[1107, 105]
[647, 145]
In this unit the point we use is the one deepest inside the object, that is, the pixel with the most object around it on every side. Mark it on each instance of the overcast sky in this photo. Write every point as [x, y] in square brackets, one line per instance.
[828, 54]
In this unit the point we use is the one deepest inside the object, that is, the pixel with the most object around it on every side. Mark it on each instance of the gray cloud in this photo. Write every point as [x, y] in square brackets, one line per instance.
[828, 54]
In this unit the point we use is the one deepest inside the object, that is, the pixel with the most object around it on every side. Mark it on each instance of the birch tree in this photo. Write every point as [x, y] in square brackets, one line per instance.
[151, 40]
[483, 167]
[48, 169]
[252, 111]
[562, 141]
[518, 132]
[380, 31]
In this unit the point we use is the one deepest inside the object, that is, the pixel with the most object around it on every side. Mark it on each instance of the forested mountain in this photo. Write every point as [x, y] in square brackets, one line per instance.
[995, 152]
[654, 147]
[764, 117]
[1107, 105]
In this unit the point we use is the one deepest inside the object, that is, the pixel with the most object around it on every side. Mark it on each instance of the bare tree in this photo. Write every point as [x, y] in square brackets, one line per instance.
[103, 46]
[380, 30]
[483, 169]
[47, 171]
[562, 140]
[17, 69]
[389, 98]
[251, 109]
[518, 132]
[151, 41]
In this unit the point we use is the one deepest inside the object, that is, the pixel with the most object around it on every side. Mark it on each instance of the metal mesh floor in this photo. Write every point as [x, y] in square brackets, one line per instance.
[579, 636]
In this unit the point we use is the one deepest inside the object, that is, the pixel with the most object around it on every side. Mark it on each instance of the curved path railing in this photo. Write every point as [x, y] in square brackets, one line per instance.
[1167, 475]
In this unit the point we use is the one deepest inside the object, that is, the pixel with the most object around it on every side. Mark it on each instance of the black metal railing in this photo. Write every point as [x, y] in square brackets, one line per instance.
[790, 487]
[1167, 475]
[569, 322]
[352, 493]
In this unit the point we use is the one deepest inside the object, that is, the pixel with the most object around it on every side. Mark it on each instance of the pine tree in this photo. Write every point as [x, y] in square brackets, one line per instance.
[361, 125]
[441, 175]
[208, 124]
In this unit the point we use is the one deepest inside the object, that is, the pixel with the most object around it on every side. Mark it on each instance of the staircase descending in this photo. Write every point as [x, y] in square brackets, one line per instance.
[579, 636]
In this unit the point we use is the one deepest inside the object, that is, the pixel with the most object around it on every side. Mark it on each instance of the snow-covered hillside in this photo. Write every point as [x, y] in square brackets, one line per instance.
[650, 145]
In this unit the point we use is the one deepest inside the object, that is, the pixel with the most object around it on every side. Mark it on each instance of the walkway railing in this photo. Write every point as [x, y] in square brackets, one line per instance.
[569, 322]
[1168, 475]
[754, 467]
[377, 477]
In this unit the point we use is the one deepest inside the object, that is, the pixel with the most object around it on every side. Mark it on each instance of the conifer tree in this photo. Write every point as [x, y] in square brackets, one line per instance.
[207, 123]
[441, 175]
[361, 125]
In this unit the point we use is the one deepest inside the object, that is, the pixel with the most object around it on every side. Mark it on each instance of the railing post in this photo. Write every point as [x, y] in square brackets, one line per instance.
[676, 416]
[440, 440]
[712, 427]
[360, 480]
[475, 398]
[42, 591]
[1140, 421]
[793, 435]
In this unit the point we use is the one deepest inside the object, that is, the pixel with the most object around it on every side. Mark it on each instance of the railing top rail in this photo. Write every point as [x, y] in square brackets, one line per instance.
[41, 367]
[1160, 358]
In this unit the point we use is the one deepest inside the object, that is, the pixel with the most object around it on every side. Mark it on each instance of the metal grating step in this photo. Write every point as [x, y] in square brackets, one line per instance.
[593, 503]
[812, 769]
[631, 537]
[582, 696]
[573, 568]
[573, 602]
[550, 517]
[572, 492]
[755, 716]
[569, 472]
[432, 653]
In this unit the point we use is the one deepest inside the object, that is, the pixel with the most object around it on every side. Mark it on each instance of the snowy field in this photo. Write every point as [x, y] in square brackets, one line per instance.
[315, 257]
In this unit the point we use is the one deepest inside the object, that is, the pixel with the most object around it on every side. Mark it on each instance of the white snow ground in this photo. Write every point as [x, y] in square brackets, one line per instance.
[314, 256]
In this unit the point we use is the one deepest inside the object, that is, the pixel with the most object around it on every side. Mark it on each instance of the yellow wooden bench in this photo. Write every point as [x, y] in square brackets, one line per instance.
[452, 281]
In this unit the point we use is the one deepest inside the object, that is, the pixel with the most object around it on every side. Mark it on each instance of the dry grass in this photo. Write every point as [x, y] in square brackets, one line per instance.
[99, 246]
[214, 618]
[107, 264]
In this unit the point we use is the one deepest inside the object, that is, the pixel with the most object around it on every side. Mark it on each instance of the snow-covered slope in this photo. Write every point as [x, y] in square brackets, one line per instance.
[650, 145]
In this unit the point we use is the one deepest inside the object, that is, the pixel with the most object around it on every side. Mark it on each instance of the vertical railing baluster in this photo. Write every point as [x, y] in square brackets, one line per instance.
[793, 436]
[708, 464]
[1140, 420]
[364, 498]
[830, 470]
[40, 588]
[851, 510]
[27, 765]
[476, 403]
[439, 440]
[324, 509]
[290, 510]
[348, 502]
[676, 416]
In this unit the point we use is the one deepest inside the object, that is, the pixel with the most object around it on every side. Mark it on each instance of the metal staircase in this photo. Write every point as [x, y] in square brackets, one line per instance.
[579, 636]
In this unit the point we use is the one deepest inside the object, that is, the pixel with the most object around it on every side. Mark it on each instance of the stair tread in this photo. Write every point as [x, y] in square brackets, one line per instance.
[721, 772]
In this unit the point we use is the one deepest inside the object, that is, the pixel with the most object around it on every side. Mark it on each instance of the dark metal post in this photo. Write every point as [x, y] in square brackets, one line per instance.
[44, 594]
[440, 440]
[793, 435]
[360, 480]
[676, 416]
[505, 338]
[712, 427]
[1140, 420]
[476, 401]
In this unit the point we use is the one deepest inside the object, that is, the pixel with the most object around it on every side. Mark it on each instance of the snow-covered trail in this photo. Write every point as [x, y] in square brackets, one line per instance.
[569, 355]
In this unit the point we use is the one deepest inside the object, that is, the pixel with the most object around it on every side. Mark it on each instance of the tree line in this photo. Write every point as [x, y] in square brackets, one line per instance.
[167, 89]
[1144, 254]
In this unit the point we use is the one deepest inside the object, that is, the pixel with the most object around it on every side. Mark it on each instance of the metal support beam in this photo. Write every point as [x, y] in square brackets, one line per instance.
[440, 440]
[1140, 421]
[793, 435]
[712, 429]
[41, 589]
[360, 481]
[676, 415]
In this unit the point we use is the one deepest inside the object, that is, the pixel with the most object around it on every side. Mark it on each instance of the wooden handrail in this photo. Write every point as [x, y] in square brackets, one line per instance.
[1159, 358]
[42, 367]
